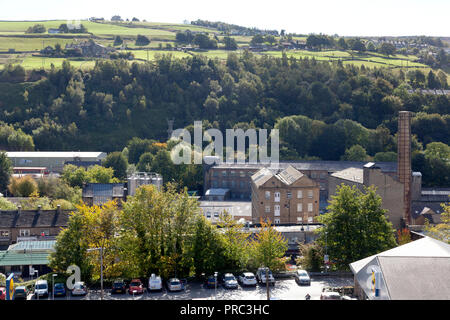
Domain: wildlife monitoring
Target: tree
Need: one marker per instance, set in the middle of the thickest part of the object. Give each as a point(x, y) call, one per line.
point(71, 248)
point(371, 47)
point(5, 170)
point(23, 187)
point(236, 245)
point(342, 44)
point(74, 176)
point(118, 162)
point(204, 42)
point(230, 43)
point(269, 246)
point(99, 174)
point(257, 39)
point(440, 231)
point(357, 45)
point(142, 40)
point(403, 236)
point(385, 157)
point(355, 153)
point(355, 226)
point(311, 258)
point(387, 48)
point(37, 28)
point(438, 150)
point(118, 41)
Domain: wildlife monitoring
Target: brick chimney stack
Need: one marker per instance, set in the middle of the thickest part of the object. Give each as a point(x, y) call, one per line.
point(404, 161)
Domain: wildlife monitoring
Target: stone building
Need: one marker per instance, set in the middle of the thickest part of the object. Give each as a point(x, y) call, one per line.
point(284, 196)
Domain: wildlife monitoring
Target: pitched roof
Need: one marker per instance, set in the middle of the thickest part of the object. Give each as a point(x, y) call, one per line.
point(287, 176)
point(350, 174)
point(55, 154)
point(33, 218)
point(414, 270)
point(11, 258)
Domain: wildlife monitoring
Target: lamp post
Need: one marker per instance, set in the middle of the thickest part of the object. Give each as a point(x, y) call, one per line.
point(215, 285)
point(101, 268)
point(37, 276)
point(53, 285)
point(326, 251)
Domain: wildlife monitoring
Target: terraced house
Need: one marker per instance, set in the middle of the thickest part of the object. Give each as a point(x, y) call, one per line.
point(284, 196)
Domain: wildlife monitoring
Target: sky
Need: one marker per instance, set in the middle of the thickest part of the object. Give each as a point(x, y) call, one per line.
point(342, 17)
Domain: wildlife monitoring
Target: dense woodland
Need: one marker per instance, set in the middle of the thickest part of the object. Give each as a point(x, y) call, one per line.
point(323, 110)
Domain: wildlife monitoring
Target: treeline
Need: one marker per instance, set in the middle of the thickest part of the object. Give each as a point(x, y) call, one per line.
point(107, 106)
point(227, 28)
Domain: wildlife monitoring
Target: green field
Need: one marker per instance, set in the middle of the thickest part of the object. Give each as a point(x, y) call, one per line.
point(142, 54)
point(30, 63)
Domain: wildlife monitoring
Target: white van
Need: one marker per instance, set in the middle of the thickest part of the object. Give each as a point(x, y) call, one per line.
point(41, 289)
point(154, 283)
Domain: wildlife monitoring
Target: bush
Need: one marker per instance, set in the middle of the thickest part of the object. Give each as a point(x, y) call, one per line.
point(7, 205)
point(142, 40)
point(311, 258)
point(23, 187)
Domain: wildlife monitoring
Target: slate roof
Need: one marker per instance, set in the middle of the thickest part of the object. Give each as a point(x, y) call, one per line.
point(55, 154)
point(34, 219)
point(417, 207)
point(330, 166)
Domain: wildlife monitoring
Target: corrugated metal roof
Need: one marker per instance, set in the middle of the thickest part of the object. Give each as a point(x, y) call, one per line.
point(55, 154)
point(45, 245)
point(11, 258)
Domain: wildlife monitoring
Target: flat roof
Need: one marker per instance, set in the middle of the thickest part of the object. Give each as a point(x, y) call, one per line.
point(56, 154)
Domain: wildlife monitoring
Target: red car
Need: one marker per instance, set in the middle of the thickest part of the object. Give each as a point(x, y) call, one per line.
point(136, 286)
point(2, 293)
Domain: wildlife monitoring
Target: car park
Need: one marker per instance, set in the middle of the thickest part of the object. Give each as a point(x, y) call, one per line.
point(174, 284)
point(247, 279)
point(59, 290)
point(41, 289)
point(261, 276)
point(210, 282)
point(229, 281)
point(155, 283)
point(21, 293)
point(2, 293)
point(302, 277)
point(118, 286)
point(79, 289)
point(136, 286)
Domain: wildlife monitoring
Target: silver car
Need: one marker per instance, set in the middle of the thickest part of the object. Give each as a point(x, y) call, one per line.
point(229, 281)
point(302, 277)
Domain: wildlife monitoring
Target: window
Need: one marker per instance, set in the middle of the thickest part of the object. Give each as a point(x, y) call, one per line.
point(233, 183)
point(216, 214)
point(224, 184)
point(224, 173)
point(277, 210)
point(267, 195)
point(232, 173)
point(208, 214)
point(4, 233)
point(299, 194)
point(313, 175)
point(267, 210)
point(24, 232)
point(299, 207)
point(310, 219)
point(241, 184)
point(215, 173)
point(310, 193)
point(242, 174)
point(310, 207)
point(277, 196)
point(277, 221)
point(299, 219)
point(289, 195)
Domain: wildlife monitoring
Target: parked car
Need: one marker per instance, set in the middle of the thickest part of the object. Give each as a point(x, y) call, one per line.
point(155, 283)
point(247, 279)
point(174, 284)
point(136, 286)
point(261, 276)
point(330, 295)
point(79, 289)
point(2, 293)
point(21, 293)
point(59, 290)
point(41, 289)
point(229, 281)
point(210, 282)
point(118, 286)
point(302, 277)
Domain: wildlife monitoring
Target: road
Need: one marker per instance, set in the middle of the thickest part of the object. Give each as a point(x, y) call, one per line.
point(286, 289)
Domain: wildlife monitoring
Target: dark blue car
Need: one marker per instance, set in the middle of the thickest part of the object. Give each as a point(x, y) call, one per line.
point(59, 290)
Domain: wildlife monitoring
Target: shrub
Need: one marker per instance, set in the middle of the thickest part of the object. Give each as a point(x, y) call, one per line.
point(23, 187)
point(311, 258)
point(7, 205)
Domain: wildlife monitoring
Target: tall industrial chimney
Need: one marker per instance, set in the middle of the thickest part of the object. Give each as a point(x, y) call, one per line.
point(404, 161)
